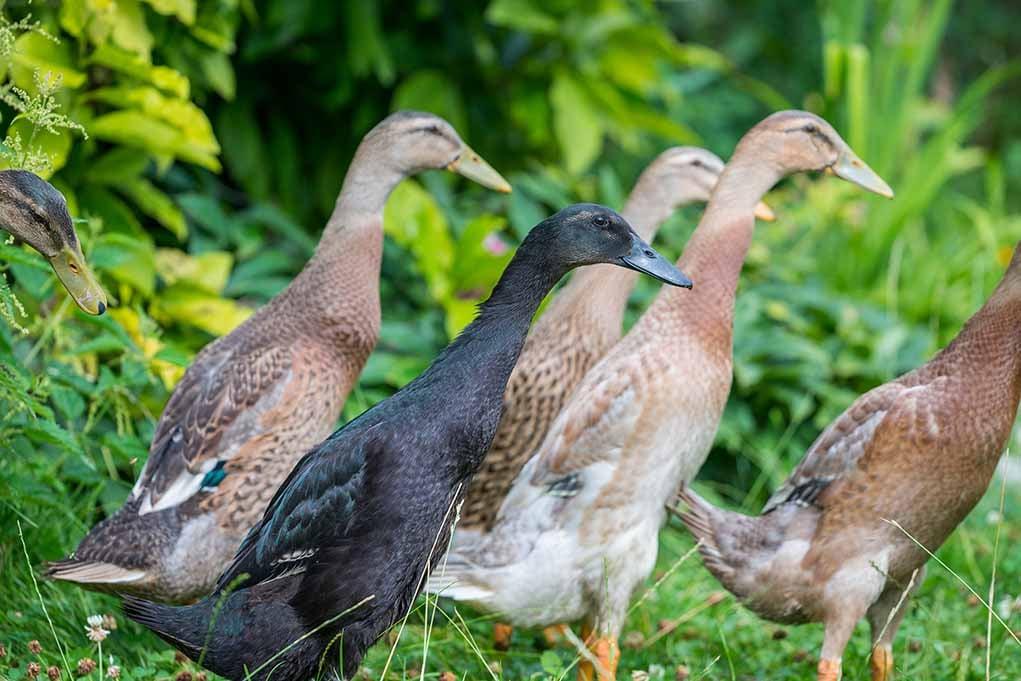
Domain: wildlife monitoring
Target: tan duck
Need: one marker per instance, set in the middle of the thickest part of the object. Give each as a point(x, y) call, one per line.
point(577, 534)
point(919, 451)
point(32, 210)
point(581, 323)
point(257, 399)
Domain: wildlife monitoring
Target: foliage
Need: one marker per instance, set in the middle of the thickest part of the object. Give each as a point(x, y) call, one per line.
point(214, 135)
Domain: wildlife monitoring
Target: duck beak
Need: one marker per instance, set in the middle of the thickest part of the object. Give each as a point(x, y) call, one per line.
point(645, 259)
point(70, 267)
point(851, 168)
point(470, 165)
point(764, 212)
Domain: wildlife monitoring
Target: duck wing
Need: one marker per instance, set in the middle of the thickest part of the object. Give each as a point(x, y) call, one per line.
point(594, 427)
point(218, 404)
point(309, 512)
point(896, 410)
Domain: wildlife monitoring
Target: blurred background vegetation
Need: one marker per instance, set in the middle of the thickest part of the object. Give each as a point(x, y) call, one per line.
point(215, 135)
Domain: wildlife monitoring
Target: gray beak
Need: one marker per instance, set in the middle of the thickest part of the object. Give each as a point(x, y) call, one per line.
point(645, 259)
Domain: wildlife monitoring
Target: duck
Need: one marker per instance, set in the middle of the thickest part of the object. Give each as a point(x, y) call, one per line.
point(254, 401)
point(577, 533)
point(580, 324)
point(34, 211)
point(841, 539)
point(346, 543)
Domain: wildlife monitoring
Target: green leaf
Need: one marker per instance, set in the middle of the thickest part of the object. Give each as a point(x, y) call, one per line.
point(137, 129)
point(182, 9)
point(578, 126)
point(156, 205)
point(219, 72)
point(432, 91)
point(413, 219)
point(35, 52)
point(43, 430)
point(191, 305)
point(23, 255)
point(118, 165)
point(523, 15)
point(131, 64)
point(208, 271)
point(130, 260)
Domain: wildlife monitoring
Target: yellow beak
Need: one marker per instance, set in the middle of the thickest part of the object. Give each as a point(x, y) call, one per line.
point(764, 212)
point(70, 267)
point(851, 168)
point(471, 165)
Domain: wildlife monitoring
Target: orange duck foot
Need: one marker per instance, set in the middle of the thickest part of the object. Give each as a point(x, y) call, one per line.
point(829, 670)
point(882, 664)
point(607, 654)
point(554, 634)
point(502, 636)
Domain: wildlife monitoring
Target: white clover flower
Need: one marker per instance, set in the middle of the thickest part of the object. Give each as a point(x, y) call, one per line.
point(94, 629)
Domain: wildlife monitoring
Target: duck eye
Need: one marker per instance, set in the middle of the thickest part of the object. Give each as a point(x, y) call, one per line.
point(696, 163)
point(811, 129)
point(601, 221)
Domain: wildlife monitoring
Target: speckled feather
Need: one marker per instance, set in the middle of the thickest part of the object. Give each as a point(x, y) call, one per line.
point(919, 451)
point(582, 322)
point(347, 540)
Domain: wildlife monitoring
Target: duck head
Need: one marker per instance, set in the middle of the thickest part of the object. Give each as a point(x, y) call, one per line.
point(794, 141)
point(682, 175)
point(589, 234)
point(34, 211)
point(414, 141)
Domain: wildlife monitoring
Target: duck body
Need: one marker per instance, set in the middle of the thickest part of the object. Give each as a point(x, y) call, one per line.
point(346, 543)
point(254, 401)
point(919, 451)
point(583, 517)
point(581, 324)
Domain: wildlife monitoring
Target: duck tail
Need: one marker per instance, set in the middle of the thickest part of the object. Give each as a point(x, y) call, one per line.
point(94, 574)
point(456, 578)
point(184, 627)
point(722, 539)
point(237, 636)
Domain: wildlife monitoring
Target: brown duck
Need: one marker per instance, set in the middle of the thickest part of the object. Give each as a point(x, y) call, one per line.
point(257, 399)
point(582, 322)
point(919, 451)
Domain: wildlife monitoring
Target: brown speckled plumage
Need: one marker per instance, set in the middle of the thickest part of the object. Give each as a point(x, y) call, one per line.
point(253, 402)
point(919, 450)
point(583, 321)
point(577, 534)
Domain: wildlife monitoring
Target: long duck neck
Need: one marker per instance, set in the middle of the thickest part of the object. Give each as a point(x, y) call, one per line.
point(715, 253)
point(990, 342)
point(488, 348)
point(336, 295)
point(600, 292)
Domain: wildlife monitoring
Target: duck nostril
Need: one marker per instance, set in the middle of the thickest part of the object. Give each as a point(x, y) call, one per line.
point(649, 253)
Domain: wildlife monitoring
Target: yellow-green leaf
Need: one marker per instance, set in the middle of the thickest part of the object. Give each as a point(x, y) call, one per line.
point(413, 219)
point(208, 271)
point(56, 146)
point(182, 9)
point(191, 305)
point(130, 260)
point(578, 126)
point(35, 52)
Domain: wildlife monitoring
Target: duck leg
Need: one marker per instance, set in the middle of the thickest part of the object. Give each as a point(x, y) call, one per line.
point(885, 617)
point(554, 634)
point(502, 636)
point(603, 646)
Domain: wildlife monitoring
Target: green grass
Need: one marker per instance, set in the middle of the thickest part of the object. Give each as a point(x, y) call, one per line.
point(685, 620)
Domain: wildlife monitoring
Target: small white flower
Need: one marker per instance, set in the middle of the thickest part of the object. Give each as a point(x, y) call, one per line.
point(94, 629)
point(113, 672)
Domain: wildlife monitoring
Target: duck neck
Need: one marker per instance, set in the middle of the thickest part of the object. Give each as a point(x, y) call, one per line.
point(715, 253)
point(601, 292)
point(341, 280)
point(990, 342)
point(488, 348)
